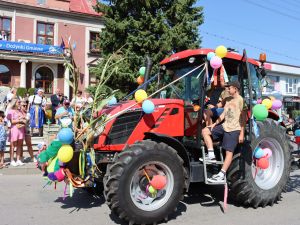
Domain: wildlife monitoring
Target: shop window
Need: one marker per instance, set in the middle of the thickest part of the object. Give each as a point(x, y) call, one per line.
point(5, 76)
point(290, 86)
point(271, 83)
point(44, 79)
point(5, 28)
point(94, 39)
point(45, 33)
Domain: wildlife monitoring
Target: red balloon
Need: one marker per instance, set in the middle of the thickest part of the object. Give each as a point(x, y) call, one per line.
point(263, 163)
point(158, 182)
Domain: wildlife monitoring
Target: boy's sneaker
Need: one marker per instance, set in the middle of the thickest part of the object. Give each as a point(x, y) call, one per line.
point(13, 163)
point(209, 159)
point(19, 163)
point(217, 178)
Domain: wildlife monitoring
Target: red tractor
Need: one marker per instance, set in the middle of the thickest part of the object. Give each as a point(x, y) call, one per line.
point(134, 147)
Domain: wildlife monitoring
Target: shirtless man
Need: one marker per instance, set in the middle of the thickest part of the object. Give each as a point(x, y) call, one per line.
point(232, 130)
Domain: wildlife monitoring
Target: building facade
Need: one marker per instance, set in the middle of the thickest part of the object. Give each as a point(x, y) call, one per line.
point(33, 34)
point(285, 80)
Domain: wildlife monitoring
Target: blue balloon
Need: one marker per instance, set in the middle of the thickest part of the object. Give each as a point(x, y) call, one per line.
point(112, 101)
point(148, 106)
point(210, 55)
point(65, 136)
point(254, 102)
point(297, 133)
point(258, 153)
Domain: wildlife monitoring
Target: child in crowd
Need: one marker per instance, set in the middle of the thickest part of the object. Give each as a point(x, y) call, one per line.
point(42, 146)
point(3, 137)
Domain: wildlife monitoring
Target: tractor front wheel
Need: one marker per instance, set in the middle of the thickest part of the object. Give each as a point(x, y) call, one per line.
point(127, 182)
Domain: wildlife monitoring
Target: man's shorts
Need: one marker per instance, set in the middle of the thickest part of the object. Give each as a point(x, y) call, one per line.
point(217, 112)
point(2, 146)
point(229, 139)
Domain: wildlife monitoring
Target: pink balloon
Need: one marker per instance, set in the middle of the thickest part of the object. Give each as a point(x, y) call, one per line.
point(215, 62)
point(267, 153)
point(259, 101)
point(276, 104)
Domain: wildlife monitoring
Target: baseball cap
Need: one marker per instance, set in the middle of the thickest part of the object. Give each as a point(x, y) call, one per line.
point(235, 84)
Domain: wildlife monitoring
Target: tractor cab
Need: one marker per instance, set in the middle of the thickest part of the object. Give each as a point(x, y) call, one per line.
point(197, 88)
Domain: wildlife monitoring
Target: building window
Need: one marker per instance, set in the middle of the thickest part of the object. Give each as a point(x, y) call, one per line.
point(290, 86)
point(44, 79)
point(94, 38)
point(5, 28)
point(45, 33)
point(41, 2)
point(5, 76)
point(272, 81)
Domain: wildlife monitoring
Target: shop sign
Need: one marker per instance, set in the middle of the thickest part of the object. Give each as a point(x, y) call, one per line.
point(29, 47)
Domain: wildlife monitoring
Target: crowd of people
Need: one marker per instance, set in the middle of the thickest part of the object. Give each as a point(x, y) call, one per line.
point(22, 116)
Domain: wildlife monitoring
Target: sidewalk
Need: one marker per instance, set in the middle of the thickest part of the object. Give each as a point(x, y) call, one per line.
point(27, 169)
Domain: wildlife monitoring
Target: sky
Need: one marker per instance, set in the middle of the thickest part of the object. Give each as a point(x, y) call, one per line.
point(269, 26)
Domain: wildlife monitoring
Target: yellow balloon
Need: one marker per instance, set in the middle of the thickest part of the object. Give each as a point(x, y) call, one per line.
point(267, 103)
point(65, 153)
point(140, 95)
point(272, 98)
point(221, 51)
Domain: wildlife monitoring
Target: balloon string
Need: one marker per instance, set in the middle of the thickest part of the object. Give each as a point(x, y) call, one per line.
point(146, 175)
point(65, 191)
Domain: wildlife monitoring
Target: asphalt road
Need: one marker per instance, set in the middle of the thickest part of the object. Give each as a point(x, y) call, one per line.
point(24, 201)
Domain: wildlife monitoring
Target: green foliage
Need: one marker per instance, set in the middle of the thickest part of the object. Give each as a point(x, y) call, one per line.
point(30, 91)
point(295, 113)
point(21, 92)
point(155, 28)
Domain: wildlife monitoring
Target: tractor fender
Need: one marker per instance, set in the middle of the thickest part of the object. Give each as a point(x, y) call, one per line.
point(174, 143)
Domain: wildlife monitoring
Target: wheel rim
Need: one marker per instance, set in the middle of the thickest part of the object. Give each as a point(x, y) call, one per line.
point(138, 187)
point(268, 178)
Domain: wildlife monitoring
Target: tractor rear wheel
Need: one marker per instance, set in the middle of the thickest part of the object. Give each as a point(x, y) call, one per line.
point(256, 187)
point(126, 183)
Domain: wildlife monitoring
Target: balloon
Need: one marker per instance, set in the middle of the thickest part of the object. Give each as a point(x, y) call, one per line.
point(158, 182)
point(52, 176)
point(221, 51)
point(65, 136)
point(65, 153)
point(142, 71)
point(112, 101)
point(297, 133)
point(260, 112)
point(60, 175)
point(267, 102)
point(272, 98)
point(140, 80)
point(148, 106)
point(140, 95)
point(267, 153)
point(276, 104)
point(216, 62)
point(254, 102)
point(151, 190)
point(210, 55)
point(259, 101)
point(258, 153)
point(262, 163)
point(53, 165)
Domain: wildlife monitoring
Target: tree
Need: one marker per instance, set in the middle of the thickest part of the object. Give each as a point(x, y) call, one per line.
point(146, 27)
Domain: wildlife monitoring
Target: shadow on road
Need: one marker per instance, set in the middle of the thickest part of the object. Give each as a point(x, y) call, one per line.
point(81, 199)
point(294, 184)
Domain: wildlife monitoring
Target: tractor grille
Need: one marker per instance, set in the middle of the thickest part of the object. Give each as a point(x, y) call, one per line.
point(123, 127)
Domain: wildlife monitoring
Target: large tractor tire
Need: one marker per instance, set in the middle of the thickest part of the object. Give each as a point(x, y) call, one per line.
point(126, 183)
point(256, 187)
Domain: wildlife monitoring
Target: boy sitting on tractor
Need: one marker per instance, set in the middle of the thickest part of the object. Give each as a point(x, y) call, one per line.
point(231, 131)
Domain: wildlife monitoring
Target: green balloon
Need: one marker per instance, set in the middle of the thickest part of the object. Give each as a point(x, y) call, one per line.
point(142, 71)
point(260, 112)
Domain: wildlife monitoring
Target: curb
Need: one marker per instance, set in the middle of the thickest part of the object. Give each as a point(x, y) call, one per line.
point(27, 169)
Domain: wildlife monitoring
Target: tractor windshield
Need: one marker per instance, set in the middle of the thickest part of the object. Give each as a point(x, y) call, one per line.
point(187, 88)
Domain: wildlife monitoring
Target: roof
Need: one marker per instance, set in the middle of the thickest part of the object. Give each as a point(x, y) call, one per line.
point(203, 51)
point(83, 6)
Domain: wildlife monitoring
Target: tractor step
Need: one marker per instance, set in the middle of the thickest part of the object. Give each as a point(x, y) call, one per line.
point(207, 163)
